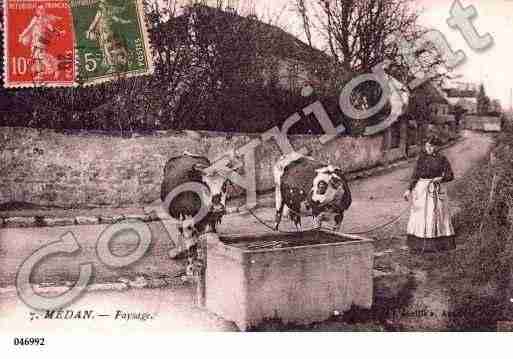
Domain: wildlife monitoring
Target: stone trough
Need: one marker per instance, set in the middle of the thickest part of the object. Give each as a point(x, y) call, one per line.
point(298, 278)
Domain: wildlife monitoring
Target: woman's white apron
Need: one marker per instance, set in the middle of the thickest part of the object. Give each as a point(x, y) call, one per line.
point(430, 215)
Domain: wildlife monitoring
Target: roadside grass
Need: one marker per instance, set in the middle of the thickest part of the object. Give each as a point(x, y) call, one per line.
point(476, 277)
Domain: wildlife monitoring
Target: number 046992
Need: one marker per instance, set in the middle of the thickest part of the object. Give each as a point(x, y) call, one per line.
point(20, 341)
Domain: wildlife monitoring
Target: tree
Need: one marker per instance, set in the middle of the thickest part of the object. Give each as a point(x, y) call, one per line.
point(355, 31)
point(210, 57)
point(483, 101)
point(496, 107)
point(360, 34)
point(227, 58)
point(303, 12)
point(357, 34)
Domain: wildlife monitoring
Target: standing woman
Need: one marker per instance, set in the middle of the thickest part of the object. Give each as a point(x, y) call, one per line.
point(430, 226)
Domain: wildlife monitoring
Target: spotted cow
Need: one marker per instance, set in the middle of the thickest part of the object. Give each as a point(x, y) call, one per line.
point(304, 185)
point(184, 206)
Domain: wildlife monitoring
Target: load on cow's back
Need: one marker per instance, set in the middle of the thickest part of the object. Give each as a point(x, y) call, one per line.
point(190, 186)
point(306, 185)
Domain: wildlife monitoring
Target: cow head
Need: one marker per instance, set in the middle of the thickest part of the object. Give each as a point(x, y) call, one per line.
point(217, 183)
point(327, 185)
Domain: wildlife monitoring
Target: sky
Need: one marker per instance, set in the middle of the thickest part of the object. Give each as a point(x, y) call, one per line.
point(493, 67)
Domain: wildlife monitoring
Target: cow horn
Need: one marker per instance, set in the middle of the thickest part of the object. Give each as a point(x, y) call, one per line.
point(200, 167)
point(327, 170)
point(235, 161)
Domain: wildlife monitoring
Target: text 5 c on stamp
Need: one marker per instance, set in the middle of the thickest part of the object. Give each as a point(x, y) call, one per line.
point(112, 40)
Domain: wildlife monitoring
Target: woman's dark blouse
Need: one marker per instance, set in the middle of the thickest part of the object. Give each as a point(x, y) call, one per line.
point(431, 166)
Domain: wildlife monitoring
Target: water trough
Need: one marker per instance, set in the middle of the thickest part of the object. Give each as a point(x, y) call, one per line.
point(298, 278)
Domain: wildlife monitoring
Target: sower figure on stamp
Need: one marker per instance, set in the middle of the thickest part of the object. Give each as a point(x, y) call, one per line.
point(102, 30)
point(430, 225)
point(38, 35)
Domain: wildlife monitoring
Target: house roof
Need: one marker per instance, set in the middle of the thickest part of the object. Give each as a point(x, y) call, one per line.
point(270, 38)
point(432, 93)
point(456, 100)
point(461, 93)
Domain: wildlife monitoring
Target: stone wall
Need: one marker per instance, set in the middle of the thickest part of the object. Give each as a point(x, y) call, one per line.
point(83, 169)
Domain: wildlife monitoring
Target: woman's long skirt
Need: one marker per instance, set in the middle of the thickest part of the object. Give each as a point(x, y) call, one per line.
point(430, 225)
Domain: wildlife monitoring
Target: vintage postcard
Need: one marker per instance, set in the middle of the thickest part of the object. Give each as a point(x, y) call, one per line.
point(312, 166)
point(39, 44)
point(112, 39)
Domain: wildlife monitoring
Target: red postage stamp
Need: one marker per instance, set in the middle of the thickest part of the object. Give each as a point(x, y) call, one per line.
point(39, 43)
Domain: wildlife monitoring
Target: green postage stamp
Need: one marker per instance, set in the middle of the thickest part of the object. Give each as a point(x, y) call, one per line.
point(112, 40)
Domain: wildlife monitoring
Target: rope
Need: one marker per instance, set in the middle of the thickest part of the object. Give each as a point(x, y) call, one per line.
point(393, 221)
point(389, 223)
point(269, 227)
point(433, 190)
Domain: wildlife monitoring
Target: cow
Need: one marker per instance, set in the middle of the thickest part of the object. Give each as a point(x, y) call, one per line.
point(185, 205)
point(304, 185)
